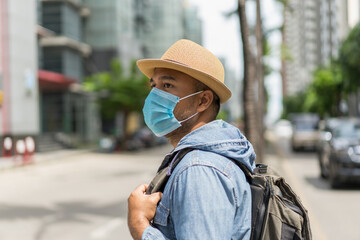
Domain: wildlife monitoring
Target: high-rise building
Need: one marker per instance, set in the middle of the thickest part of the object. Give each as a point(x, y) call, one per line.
point(132, 29)
point(163, 26)
point(301, 37)
point(110, 30)
point(64, 107)
point(192, 23)
point(19, 110)
point(313, 32)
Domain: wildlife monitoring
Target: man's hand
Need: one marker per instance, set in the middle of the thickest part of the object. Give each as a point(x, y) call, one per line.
point(141, 210)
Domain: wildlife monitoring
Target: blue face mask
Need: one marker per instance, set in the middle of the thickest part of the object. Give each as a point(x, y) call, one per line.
point(159, 112)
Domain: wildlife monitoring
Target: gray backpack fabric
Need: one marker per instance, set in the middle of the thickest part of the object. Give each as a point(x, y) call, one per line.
point(277, 212)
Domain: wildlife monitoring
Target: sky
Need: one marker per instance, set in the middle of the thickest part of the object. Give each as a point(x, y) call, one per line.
point(221, 35)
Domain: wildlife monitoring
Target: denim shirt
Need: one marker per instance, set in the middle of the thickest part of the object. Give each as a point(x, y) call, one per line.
point(207, 195)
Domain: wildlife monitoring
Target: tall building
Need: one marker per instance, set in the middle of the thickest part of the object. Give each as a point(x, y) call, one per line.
point(132, 29)
point(163, 26)
point(67, 114)
point(19, 110)
point(301, 37)
point(314, 30)
point(110, 30)
point(192, 23)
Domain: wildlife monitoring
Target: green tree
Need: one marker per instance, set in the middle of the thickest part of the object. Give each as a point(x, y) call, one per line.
point(118, 91)
point(349, 58)
point(293, 104)
point(324, 94)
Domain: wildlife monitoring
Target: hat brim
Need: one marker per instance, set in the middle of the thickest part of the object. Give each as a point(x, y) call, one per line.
point(147, 67)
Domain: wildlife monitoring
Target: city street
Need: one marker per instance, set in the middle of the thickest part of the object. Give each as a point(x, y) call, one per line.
point(80, 197)
point(84, 196)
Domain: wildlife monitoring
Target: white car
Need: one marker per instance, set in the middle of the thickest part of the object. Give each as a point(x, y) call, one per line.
point(283, 129)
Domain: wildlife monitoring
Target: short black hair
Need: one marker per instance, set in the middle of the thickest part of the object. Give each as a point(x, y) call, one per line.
point(199, 86)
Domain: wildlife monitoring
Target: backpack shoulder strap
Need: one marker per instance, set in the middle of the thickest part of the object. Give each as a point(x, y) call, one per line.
point(248, 174)
point(167, 166)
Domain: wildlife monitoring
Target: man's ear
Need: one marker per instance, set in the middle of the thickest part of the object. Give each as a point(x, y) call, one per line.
point(206, 98)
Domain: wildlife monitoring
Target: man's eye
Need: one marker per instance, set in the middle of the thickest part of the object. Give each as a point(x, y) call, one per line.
point(167, 85)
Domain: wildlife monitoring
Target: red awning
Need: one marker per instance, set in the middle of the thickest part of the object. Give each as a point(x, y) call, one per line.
point(54, 81)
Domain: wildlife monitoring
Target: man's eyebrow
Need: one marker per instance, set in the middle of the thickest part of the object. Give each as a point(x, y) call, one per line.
point(164, 77)
point(167, 77)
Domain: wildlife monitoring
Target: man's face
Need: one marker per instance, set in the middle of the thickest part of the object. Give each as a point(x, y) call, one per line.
point(178, 84)
point(172, 81)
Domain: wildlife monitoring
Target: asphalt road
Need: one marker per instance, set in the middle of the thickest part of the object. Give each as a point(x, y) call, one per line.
point(85, 196)
point(75, 198)
point(334, 214)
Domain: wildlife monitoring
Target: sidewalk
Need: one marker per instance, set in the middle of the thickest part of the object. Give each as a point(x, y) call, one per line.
point(18, 161)
point(271, 157)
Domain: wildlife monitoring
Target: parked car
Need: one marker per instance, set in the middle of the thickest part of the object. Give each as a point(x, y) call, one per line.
point(339, 151)
point(305, 131)
point(144, 138)
point(283, 129)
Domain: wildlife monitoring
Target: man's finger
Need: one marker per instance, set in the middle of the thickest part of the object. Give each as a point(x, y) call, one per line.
point(156, 197)
point(141, 188)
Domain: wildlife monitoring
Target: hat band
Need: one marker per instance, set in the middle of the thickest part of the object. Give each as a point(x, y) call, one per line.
point(170, 60)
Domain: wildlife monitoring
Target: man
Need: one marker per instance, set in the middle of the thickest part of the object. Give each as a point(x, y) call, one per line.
point(207, 195)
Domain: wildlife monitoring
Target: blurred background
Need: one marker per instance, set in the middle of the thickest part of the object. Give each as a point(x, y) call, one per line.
point(67, 74)
point(70, 90)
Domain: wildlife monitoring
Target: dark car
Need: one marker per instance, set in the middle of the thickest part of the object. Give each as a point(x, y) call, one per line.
point(143, 138)
point(339, 151)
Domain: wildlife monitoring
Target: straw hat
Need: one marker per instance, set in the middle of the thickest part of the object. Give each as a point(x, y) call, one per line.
point(194, 60)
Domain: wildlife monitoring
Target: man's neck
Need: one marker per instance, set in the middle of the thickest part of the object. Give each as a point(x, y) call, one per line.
point(175, 137)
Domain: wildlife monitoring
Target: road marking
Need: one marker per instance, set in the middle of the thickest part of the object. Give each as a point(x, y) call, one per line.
point(104, 230)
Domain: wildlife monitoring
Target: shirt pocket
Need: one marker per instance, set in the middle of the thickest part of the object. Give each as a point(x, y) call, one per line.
point(162, 215)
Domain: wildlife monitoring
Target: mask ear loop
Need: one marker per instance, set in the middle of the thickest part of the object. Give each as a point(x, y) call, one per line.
point(194, 113)
point(190, 95)
point(189, 117)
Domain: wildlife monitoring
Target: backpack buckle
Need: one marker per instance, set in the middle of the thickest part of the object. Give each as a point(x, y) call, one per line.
point(262, 168)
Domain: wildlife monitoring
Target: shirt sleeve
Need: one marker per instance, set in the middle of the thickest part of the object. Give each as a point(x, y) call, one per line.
point(152, 233)
point(203, 204)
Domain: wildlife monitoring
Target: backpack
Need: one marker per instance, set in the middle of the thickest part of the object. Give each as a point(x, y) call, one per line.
point(277, 212)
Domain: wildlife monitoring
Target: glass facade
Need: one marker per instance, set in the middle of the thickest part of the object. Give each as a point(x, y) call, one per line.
point(101, 27)
point(63, 60)
point(62, 110)
point(52, 60)
point(62, 18)
point(165, 26)
point(109, 21)
point(110, 30)
point(51, 16)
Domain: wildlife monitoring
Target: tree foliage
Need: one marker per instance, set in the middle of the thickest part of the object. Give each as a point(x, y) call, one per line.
point(349, 58)
point(293, 104)
point(118, 91)
point(331, 83)
point(324, 94)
